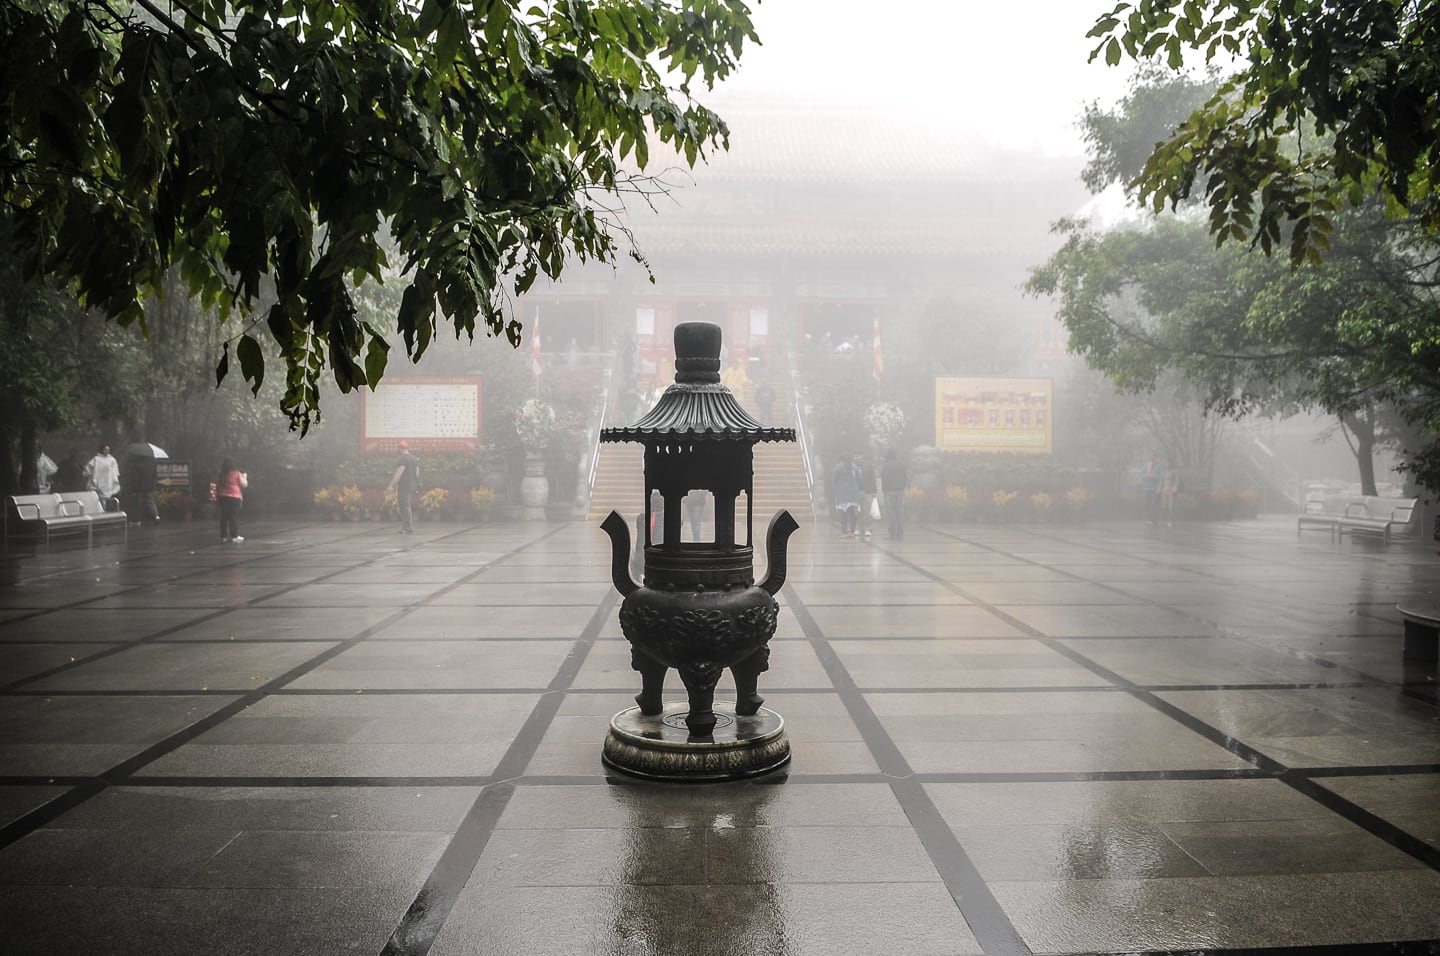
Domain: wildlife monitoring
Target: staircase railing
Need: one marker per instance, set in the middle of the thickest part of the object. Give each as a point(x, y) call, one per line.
point(1275, 471)
point(585, 488)
point(801, 433)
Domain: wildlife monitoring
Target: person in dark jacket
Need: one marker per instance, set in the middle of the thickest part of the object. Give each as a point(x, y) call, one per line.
point(892, 480)
point(404, 483)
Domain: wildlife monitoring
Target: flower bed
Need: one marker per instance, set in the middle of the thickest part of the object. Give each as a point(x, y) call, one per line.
point(352, 503)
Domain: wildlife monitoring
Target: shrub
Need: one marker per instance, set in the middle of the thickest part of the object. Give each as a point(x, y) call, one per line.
point(433, 502)
point(373, 502)
point(482, 499)
point(352, 502)
point(1005, 504)
point(956, 502)
point(326, 500)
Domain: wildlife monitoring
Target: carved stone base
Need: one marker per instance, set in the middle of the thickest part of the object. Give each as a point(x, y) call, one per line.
point(660, 747)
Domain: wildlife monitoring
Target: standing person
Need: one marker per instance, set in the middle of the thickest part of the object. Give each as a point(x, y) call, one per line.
point(102, 476)
point(764, 400)
point(867, 492)
point(1151, 480)
point(1169, 488)
point(404, 482)
point(734, 377)
point(45, 470)
point(230, 486)
point(845, 488)
point(892, 479)
point(138, 475)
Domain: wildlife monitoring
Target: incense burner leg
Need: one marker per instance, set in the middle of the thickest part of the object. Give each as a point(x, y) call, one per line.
point(652, 681)
point(747, 676)
point(701, 719)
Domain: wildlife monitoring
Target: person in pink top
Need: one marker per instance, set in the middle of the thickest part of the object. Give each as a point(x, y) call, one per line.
point(230, 486)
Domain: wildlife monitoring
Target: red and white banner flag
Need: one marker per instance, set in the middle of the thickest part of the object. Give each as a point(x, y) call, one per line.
point(877, 358)
point(535, 344)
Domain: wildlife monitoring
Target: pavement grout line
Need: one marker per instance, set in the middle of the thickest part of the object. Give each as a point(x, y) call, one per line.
point(29, 822)
point(1371, 822)
point(978, 906)
point(426, 916)
point(910, 791)
point(1221, 629)
point(797, 779)
point(129, 645)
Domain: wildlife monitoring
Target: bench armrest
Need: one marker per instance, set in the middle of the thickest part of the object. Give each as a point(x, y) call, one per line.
point(21, 507)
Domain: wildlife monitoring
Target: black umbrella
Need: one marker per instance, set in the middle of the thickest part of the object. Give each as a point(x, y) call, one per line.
point(143, 449)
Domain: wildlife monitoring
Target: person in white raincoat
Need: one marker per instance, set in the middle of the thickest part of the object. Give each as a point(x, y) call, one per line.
point(102, 475)
point(44, 472)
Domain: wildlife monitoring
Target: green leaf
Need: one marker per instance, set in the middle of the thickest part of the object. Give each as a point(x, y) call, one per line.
point(377, 354)
point(447, 39)
point(252, 362)
point(1112, 52)
point(222, 367)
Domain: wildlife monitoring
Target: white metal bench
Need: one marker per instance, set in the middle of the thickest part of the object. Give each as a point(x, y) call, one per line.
point(1325, 514)
point(59, 513)
point(1384, 517)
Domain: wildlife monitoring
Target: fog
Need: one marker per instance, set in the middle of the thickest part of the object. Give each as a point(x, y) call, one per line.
point(891, 179)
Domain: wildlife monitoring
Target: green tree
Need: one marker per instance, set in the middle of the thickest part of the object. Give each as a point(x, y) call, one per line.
point(1329, 103)
point(1348, 336)
point(1356, 334)
point(264, 147)
point(1120, 140)
point(62, 366)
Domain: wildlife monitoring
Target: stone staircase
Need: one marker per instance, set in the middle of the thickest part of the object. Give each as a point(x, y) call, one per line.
point(619, 481)
point(779, 483)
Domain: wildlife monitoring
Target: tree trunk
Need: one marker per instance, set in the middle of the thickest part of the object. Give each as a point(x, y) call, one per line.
point(8, 483)
point(1360, 435)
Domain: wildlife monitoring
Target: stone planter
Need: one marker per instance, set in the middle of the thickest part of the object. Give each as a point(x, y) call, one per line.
point(534, 487)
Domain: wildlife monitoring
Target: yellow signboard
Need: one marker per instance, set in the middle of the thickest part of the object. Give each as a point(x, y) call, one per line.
point(993, 415)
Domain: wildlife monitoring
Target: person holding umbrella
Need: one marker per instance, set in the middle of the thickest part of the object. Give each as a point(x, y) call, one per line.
point(139, 477)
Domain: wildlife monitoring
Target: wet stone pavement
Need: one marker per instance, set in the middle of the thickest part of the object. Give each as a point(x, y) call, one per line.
point(1083, 739)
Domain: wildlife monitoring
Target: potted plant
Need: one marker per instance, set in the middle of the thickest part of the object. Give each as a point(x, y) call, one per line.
point(1042, 505)
point(955, 503)
point(885, 423)
point(326, 504)
point(433, 503)
point(482, 500)
point(1005, 505)
point(352, 503)
point(373, 501)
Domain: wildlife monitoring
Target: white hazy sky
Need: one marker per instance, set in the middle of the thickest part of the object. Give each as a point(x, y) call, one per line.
point(1015, 72)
